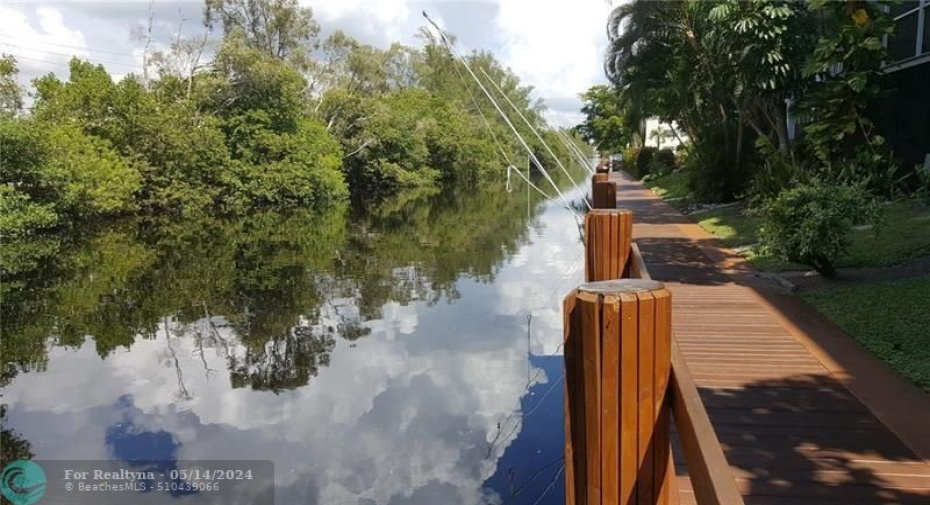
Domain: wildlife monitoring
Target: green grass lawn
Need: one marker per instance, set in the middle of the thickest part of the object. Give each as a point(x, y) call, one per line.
point(729, 224)
point(890, 319)
point(673, 187)
point(902, 234)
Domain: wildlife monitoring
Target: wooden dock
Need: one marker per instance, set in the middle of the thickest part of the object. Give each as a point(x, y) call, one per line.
point(804, 416)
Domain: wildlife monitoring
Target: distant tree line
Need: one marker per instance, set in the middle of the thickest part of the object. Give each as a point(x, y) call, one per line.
point(263, 114)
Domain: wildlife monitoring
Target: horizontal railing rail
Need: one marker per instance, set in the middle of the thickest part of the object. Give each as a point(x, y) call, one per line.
point(626, 379)
point(710, 474)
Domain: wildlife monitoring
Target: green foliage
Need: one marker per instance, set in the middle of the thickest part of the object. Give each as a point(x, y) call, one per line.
point(185, 165)
point(713, 174)
point(812, 223)
point(666, 158)
point(644, 157)
point(777, 171)
point(20, 216)
point(273, 120)
point(23, 154)
point(628, 163)
point(605, 125)
point(277, 28)
point(89, 177)
point(11, 95)
point(843, 69)
point(50, 173)
point(723, 71)
point(288, 169)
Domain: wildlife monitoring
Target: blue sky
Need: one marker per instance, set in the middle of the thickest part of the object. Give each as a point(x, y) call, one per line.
point(555, 46)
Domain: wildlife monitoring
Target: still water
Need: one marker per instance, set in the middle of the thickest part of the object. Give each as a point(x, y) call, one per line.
point(406, 353)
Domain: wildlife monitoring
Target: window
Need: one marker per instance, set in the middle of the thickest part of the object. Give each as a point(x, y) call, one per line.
point(912, 29)
point(903, 44)
point(902, 7)
point(926, 48)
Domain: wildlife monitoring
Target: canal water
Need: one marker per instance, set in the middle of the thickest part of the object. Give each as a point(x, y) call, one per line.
point(407, 353)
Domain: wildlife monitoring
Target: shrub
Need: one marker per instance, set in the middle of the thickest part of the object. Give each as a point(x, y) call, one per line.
point(777, 171)
point(923, 183)
point(714, 173)
point(811, 223)
point(657, 168)
point(628, 164)
point(643, 159)
point(20, 216)
point(666, 157)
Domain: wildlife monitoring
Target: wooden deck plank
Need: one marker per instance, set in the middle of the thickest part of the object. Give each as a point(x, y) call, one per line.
point(791, 430)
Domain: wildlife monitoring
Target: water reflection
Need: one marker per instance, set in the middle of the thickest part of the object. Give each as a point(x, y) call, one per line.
point(409, 353)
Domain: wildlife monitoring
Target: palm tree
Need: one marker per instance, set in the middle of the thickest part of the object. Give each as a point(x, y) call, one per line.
point(642, 37)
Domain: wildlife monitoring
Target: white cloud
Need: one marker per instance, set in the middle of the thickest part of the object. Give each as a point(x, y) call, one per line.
point(555, 47)
point(539, 276)
point(386, 420)
point(41, 41)
point(380, 22)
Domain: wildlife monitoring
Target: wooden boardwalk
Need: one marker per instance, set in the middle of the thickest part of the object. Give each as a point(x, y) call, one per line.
point(804, 416)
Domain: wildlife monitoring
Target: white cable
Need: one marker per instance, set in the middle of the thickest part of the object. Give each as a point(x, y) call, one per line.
point(504, 116)
point(532, 129)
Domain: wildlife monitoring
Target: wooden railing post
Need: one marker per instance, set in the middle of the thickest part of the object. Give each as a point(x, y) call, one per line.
point(596, 178)
point(617, 366)
point(604, 195)
point(603, 192)
point(608, 236)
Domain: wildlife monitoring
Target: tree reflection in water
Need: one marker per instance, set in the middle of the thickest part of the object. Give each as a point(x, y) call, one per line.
point(288, 286)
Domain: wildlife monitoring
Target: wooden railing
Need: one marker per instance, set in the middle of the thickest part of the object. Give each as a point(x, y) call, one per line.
point(625, 379)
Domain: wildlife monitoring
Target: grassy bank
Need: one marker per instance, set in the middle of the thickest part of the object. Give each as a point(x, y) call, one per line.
point(902, 234)
point(672, 187)
point(890, 319)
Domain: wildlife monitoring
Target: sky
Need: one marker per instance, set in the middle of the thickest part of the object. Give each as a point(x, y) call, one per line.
point(555, 46)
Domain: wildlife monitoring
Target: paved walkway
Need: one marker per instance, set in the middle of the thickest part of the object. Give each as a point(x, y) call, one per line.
point(804, 415)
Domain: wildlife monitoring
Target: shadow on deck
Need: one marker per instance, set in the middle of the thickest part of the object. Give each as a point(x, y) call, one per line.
point(804, 415)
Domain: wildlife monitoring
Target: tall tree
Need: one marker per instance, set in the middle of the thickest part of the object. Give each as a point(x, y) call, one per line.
point(604, 124)
point(279, 28)
point(11, 95)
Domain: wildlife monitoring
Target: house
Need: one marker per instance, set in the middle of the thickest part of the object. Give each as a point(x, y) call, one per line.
point(903, 113)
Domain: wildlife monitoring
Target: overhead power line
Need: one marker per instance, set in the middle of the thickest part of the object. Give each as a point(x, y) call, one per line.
point(105, 63)
point(43, 43)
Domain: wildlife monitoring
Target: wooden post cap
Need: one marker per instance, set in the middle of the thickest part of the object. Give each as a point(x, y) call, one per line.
point(622, 212)
point(617, 286)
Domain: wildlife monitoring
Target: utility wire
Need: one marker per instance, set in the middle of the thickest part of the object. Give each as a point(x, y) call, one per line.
point(43, 43)
point(572, 148)
point(501, 112)
point(532, 129)
point(106, 63)
point(510, 165)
